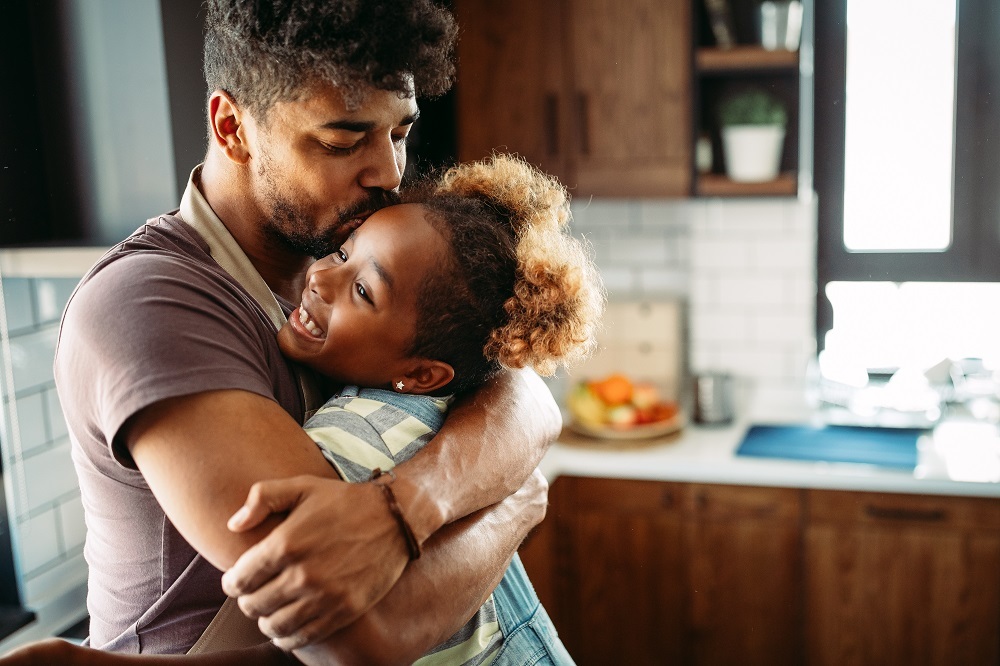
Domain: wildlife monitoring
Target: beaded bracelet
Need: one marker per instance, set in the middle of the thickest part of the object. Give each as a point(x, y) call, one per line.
point(412, 544)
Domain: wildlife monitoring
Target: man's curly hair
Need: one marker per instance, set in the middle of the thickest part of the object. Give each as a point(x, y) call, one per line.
point(517, 290)
point(266, 51)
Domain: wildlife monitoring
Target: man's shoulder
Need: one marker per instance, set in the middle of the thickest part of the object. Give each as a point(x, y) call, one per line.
point(162, 241)
point(164, 255)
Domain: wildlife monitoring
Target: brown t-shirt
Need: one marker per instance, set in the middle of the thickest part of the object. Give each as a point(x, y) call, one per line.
point(156, 318)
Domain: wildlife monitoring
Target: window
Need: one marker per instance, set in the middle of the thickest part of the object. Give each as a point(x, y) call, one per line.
point(908, 177)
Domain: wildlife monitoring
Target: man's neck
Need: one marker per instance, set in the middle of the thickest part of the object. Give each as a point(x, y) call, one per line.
point(282, 269)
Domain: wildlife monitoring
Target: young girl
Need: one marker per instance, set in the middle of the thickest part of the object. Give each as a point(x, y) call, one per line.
point(473, 273)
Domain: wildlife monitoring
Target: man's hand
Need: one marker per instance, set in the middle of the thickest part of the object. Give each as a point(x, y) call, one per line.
point(291, 581)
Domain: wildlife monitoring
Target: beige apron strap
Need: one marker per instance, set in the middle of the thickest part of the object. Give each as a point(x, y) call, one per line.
point(196, 212)
point(230, 629)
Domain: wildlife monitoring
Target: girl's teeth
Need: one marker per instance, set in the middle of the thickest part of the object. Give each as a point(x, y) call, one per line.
point(308, 323)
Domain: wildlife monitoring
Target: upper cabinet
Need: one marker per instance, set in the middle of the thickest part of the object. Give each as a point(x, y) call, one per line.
point(612, 96)
point(598, 92)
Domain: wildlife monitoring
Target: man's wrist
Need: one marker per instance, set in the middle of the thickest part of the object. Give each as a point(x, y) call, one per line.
point(423, 510)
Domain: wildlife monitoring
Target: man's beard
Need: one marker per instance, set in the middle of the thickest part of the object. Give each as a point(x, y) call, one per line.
point(291, 227)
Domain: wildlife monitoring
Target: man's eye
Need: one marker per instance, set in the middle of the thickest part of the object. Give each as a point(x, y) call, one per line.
point(340, 150)
point(399, 138)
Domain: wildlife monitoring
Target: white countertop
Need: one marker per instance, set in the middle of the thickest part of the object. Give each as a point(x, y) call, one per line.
point(959, 459)
point(49, 261)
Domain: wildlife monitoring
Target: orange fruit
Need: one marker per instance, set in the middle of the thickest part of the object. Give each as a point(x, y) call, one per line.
point(613, 390)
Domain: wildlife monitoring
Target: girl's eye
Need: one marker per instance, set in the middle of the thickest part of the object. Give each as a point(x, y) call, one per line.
point(339, 256)
point(362, 292)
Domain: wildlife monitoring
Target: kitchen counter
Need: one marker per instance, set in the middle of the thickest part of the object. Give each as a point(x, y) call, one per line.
point(958, 459)
point(49, 262)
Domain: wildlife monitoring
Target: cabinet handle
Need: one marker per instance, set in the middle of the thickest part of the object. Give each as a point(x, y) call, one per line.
point(552, 124)
point(583, 119)
point(894, 513)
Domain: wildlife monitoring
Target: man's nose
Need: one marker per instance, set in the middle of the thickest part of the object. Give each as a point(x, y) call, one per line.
point(385, 169)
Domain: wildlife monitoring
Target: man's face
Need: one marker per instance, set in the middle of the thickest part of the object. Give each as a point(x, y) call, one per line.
point(319, 168)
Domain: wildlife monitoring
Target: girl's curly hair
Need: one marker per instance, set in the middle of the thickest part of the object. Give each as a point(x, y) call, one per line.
point(266, 51)
point(518, 290)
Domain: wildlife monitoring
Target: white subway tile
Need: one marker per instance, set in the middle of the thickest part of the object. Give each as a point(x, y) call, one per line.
point(721, 254)
point(56, 420)
point(30, 422)
point(726, 326)
point(662, 281)
point(755, 363)
point(662, 213)
point(592, 213)
point(750, 292)
point(48, 583)
point(781, 254)
point(71, 523)
point(49, 475)
point(19, 308)
point(620, 282)
point(781, 326)
point(31, 357)
point(751, 217)
point(38, 541)
point(647, 250)
point(704, 291)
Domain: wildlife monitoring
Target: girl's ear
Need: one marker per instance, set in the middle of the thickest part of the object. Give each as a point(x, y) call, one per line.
point(426, 376)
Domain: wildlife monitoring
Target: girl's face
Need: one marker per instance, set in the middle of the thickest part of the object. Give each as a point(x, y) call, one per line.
point(358, 314)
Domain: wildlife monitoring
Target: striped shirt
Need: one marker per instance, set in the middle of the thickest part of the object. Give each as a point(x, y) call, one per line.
point(363, 429)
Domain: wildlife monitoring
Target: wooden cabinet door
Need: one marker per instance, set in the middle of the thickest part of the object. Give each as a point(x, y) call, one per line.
point(511, 81)
point(745, 564)
point(898, 579)
point(630, 104)
point(621, 584)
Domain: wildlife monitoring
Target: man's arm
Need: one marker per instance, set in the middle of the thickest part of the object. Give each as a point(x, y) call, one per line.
point(489, 445)
point(201, 454)
point(392, 632)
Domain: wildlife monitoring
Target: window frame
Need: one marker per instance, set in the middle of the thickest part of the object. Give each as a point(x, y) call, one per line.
point(974, 255)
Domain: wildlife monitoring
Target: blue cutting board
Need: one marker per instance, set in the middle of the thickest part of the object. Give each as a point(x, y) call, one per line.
point(886, 447)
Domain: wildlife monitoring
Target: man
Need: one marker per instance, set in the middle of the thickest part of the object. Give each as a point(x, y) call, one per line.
point(179, 401)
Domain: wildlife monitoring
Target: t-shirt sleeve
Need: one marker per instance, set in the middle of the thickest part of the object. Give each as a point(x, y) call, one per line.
point(148, 327)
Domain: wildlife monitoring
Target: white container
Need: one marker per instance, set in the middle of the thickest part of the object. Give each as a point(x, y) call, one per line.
point(752, 152)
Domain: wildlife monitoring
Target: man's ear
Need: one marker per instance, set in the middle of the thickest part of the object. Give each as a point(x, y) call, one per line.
point(226, 125)
point(426, 376)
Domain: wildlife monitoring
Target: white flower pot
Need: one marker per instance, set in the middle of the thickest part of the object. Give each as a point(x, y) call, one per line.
point(752, 152)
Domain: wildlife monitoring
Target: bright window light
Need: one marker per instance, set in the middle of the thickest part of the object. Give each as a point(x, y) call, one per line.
point(900, 103)
point(886, 325)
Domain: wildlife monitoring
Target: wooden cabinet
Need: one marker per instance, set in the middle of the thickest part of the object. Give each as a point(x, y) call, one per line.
point(898, 579)
point(597, 92)
point(743, 549)
point(644, 572)
point(621, 571)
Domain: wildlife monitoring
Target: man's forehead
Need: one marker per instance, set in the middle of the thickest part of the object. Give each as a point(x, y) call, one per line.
point(326, 107)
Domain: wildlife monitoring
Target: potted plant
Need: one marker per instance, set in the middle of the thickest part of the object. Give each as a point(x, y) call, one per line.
point(752, 125)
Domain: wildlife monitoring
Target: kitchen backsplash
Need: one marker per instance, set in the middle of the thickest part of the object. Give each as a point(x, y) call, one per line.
point(43, 497)
point(746, 269)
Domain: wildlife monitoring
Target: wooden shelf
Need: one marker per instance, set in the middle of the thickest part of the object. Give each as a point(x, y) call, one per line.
point(744, 58)
point(717, 185)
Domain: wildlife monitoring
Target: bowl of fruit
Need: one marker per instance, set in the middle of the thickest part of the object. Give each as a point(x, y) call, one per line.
point(616, 407)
